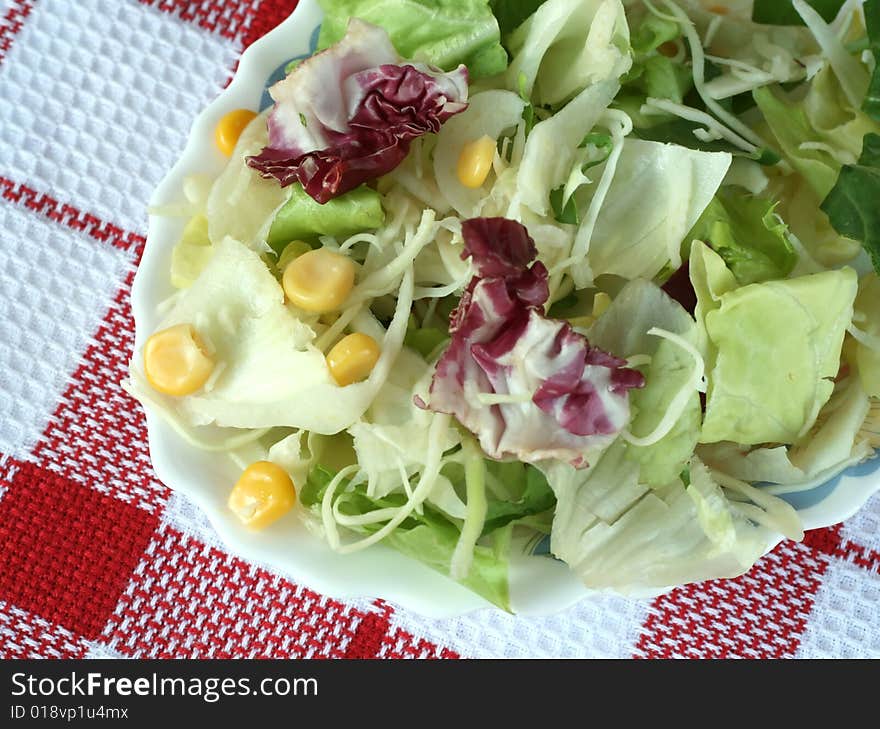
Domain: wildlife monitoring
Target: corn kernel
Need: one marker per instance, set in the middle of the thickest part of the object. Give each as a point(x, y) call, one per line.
point(263, 494)
point(475, 161)
point(175, 361)
point(230, 127)
point(319, 281)
point(353, 358)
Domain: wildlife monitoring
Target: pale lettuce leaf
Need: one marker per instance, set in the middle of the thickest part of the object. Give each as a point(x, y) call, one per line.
point(443, 33)
point(658, 194)
point(773, 349)
point(241, 204)
point(616, 534)
point(566, 46)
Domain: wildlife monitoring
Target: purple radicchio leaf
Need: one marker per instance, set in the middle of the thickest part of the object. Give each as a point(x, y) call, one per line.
point(349, 114)
point(560, 397)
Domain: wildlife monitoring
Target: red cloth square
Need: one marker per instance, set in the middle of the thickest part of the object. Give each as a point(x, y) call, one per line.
point(68, 551)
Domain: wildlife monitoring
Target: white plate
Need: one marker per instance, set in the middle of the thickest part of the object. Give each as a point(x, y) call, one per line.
point(538, 585)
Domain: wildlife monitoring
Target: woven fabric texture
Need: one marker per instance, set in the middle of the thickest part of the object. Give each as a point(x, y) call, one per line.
point(99, 558)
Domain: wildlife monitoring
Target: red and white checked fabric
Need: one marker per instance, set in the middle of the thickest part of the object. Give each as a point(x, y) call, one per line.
point(97, 557)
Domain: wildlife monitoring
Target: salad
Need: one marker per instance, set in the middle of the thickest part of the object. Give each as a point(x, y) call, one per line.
point(592, 278)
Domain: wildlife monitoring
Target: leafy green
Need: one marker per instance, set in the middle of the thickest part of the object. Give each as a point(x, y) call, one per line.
point(428, 536)
point(616, 533)
point(191, 253)
point(773, 349)
point(303, 217)
point(566, 46)
point(745, 231)
point(426, 340)
point(871, 105)
point(789, 123)
point(510, 14)
point(444, 33)
point(681, 132)
point(868, 358)
point(658, 193)
point(535, 496)
point(670, 369)
point(852, 205)
point(782, 12)
point(564, 212)
point(653, 33)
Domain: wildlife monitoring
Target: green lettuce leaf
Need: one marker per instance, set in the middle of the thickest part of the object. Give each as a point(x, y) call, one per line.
point(429, 536)
point(302, 217)
point(745, 231)
point(670, 370)
point(444, 33)
point(774, 349)
point(782, 12)
point(852, 205)
point(534, 495)
point(681, 132)
point(872, 21)
point(623, 330)
point(510, 14)
point(790, 126)
point(868, 320)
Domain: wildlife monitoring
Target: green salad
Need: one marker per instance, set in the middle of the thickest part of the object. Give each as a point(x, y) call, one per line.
point(595, 278)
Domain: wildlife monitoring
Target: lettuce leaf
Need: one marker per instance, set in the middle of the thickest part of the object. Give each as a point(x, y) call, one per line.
point(871, 105)
point(782, 12)
point(746, 232)
point(658, 194)
point(774, 349)
point(511, 13)
point(867, 318)
point(301, 217)
point(241, 204)
point(191, 253)
point(444, 33)
point(623, 329)
point(427, 536)
point(533, 495)
point(852, 206)
point(566, 46)
point(830, 447)
point(615, 533)
point(790, 126)
point(552, 147)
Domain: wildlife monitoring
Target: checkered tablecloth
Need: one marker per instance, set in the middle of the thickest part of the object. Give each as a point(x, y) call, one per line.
point(97, 557)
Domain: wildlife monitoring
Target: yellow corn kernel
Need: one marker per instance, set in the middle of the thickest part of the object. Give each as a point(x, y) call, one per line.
point(475, 161)
point(230, 127)
point(263, 494)
point(601, 302)
point(353, 358)
point(319, 281)
point(175, 361)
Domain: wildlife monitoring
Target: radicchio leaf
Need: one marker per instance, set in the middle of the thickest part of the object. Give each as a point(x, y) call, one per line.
point(348, 115)
point(561, 397)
